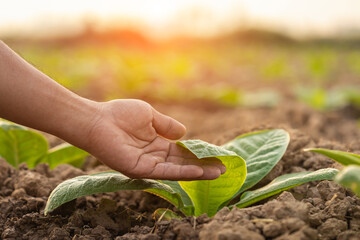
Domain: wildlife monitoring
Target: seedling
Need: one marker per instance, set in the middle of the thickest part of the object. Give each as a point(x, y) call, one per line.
point(349, 176)
point(248, 158)
point(21, 145)
point(322, 99)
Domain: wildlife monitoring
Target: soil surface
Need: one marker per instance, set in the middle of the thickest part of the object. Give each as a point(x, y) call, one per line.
point(316, 210)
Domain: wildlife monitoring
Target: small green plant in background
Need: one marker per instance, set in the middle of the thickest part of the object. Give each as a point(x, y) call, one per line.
point(21, 145)
point(320, 64)
point(321, 99)
point(276, 69)
point(248, 159)
point(234, 97)
point(353, 62)
point(352, 95)
point(349, 176)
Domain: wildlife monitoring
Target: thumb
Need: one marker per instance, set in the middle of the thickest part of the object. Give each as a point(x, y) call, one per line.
point(167, 126)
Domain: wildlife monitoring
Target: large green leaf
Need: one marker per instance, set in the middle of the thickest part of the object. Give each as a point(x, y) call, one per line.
point(6, 144)
point(177, 188)
point(341, 157)
point(65, 153)
point(107, 182)
point(350, 177)
point(208, 195)
point(261, 150)
point(188, 208)
point(18, 145)
point(283, 183)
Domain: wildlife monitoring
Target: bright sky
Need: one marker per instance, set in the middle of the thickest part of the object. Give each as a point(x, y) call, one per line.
point(169, 17)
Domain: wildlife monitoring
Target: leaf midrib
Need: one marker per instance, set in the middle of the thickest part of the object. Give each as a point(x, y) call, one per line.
point(207, 196)
point(259, 148)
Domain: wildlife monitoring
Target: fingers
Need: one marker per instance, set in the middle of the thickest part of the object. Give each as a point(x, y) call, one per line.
point(167, 126)
point(169, 171)
point(182, 165)
point(182, 156)
point(216, 163)
point(203, 163)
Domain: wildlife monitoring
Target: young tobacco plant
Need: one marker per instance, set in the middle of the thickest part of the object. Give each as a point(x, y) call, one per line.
point(21, 145)
point(349, 176)
point(248, 158)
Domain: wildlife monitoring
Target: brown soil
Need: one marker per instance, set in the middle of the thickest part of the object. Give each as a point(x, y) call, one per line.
point(316, 210)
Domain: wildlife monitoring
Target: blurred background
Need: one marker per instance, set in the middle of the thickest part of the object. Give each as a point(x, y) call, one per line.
point(229, 53)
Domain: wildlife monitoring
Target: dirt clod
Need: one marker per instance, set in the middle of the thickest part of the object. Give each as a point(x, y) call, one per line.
point(331, 228)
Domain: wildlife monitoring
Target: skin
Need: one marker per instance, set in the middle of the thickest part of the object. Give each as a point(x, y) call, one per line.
point(128, 135)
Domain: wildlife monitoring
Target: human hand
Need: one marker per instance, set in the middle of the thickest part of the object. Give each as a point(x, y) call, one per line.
point(129, 136)
point(124, 134)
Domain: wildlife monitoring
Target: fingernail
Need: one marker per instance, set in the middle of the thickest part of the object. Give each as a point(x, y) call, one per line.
point(222, 169)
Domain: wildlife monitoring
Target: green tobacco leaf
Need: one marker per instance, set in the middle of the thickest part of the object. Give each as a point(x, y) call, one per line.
point(177, 188)
point(165, 214)
point(65, 153)
point(208, 195)
point(188, 208)
point(283, 183)
point(261, 150)
point(5, 144)
point(107, 182)
point(349, 177)
point(341, 157)
point(185, 205)
point(18, 145)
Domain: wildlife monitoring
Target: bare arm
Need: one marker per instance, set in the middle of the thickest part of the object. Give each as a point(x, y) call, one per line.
point(127, 135)
point(30, 98)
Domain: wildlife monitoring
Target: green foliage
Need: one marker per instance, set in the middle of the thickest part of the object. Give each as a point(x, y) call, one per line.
point(176, 73)
point(320, 63)
point(21, 145)
point(228, 96)
point(352, 95)
point(317, 98)
point(353, 62)
point(190, 202)
point(341, 157)
point(65, 153)
point(277, 68)
point(263, 98)
point(111, 182)
point(349, 176)
point(107, 182)
point(261, 151)
point(321, 99)
point(283, 183)
point(207, 195)
point(165, 214)
point(188, 206)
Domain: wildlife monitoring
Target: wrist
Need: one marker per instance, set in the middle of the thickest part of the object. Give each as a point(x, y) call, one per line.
point(76, 120)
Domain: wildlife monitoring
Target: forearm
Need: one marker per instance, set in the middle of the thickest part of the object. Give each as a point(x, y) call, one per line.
point(31, 98)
